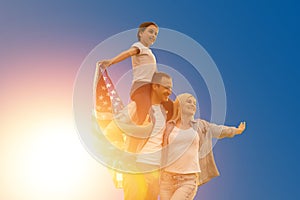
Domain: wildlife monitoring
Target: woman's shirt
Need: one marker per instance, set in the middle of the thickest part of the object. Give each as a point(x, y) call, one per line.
point(183, 151)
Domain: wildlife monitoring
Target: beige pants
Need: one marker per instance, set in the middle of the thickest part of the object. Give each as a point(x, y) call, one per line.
point(177, 186)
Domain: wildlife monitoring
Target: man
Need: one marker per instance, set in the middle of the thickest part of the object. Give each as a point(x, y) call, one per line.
point(144, 183)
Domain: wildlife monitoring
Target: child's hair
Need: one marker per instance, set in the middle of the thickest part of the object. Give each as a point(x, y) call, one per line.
point(143, 26)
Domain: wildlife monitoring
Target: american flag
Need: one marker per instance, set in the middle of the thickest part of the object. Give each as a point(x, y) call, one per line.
point(107, 106)
point(107, 102)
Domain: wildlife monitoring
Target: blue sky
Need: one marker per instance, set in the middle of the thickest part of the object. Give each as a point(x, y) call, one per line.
point(254, 44)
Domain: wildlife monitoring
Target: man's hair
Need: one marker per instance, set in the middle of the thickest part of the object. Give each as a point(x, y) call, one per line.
point(143, 26)
point(157, 77)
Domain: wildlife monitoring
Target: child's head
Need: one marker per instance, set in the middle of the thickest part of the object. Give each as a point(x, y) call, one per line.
point(147, 25)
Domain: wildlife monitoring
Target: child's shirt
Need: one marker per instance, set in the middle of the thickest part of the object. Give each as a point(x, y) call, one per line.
point(144, 64)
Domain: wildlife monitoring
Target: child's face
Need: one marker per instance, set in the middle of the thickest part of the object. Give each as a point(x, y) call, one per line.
point(148, 36)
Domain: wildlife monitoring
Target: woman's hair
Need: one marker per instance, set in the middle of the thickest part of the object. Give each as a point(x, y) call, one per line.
point(143, 26)
point(177, 106)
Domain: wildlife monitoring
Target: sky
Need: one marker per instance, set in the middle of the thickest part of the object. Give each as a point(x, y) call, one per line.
point(47, 47)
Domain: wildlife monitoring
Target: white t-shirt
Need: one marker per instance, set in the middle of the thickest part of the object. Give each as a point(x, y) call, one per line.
point(183, 151)
point(144, 63)
point(151, 152)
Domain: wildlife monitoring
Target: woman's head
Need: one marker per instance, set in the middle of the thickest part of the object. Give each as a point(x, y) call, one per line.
point(184, 104)
point(147, 33)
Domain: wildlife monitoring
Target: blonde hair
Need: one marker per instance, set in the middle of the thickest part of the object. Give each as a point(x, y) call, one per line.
point(179, 101)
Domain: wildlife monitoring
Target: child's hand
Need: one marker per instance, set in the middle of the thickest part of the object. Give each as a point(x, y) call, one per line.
point(104, 64)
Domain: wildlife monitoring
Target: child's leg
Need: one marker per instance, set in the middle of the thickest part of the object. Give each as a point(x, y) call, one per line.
point(143, 102)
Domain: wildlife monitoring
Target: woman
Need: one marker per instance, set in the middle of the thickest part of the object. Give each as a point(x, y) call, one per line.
point(187, 157)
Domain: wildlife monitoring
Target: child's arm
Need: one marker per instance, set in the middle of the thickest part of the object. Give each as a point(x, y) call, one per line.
point(122, 56)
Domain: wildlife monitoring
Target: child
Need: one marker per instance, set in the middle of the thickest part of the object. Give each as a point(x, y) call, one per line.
point(144, 66)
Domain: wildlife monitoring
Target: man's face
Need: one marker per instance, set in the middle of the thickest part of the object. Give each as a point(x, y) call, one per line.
point(164, 89)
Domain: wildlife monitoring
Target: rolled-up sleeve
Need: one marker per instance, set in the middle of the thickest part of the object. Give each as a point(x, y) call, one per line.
point(221, 131)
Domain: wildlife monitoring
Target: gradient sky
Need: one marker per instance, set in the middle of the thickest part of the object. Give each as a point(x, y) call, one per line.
point(255, 45)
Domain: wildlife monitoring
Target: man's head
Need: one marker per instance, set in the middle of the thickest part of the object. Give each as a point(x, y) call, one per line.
point(161, 87)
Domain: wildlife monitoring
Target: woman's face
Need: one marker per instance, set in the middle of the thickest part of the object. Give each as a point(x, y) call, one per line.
point(189, 106)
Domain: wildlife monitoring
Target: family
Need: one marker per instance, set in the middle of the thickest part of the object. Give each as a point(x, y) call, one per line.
point(176, 156)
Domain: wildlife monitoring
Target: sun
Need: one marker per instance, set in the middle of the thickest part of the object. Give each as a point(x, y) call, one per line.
point(53, 157)
point(47, 161)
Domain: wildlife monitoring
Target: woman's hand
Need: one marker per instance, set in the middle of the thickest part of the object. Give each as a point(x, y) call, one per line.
point(241, 128)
